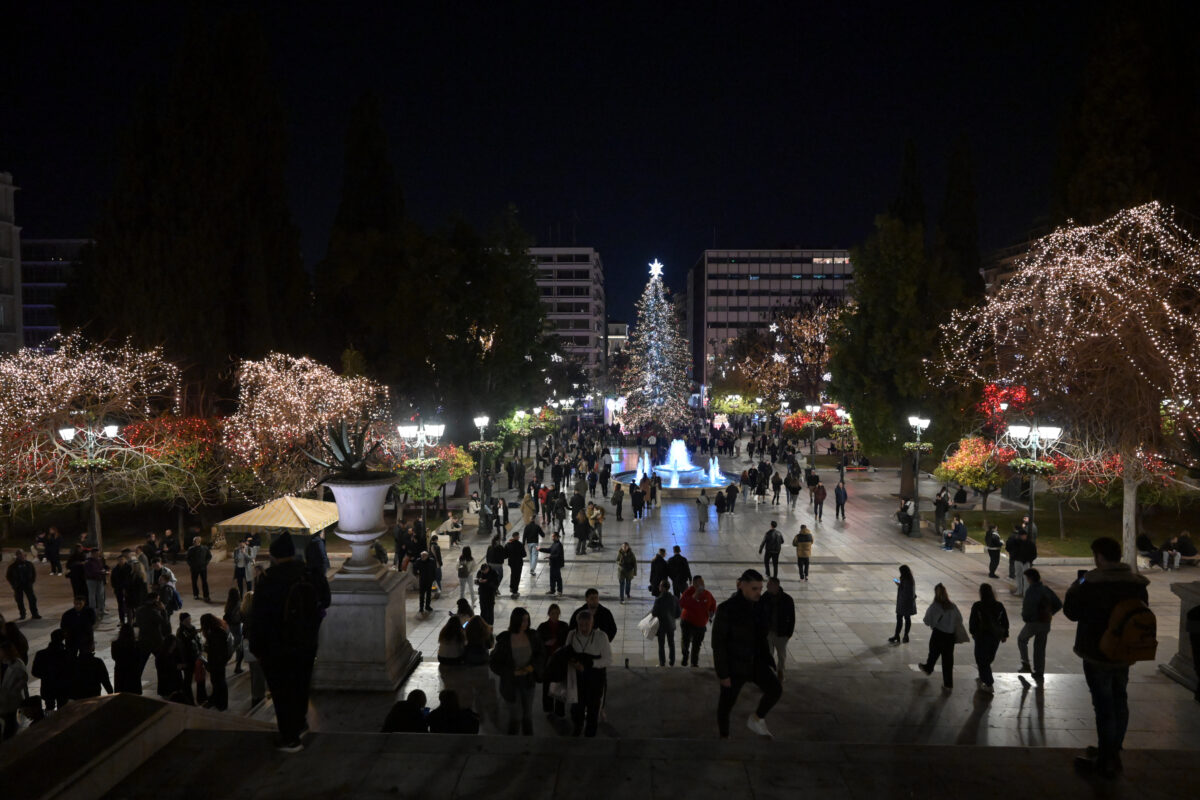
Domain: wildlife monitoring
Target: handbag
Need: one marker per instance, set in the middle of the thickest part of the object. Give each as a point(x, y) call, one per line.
point(960, 634)
point(649, 626)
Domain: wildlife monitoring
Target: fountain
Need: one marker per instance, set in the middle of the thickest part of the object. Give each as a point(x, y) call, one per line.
point(679, 469)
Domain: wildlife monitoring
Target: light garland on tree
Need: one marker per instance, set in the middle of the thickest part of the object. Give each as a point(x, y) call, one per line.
point(656, 386)
point(797, 358)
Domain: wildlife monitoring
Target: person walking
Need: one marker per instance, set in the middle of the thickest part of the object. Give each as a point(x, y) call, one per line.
point(637, 499)
point(531, 535)
point(553, 633)
point(742, 655)
point(21, 575)
point(54, 550)
point(218, 644)
point(819, 495)
point(803, 542)
point(589, 653)
point(666, 611)
point(988, 626)
point(944, 619)
point(1021, 554)
point(993, 543)
point(198, 557)
point(495, 556)
point(518, 660)
point(514, 552)
point(241, 566)
point(776, 485)
point(52, 666)
point(658, 572)
point(488, 583)
point(679, 571)
point(95, 573)
point(626, 570)
point(127, 661)
point(770, 547)
point(284, 636)
point(425, 571)
point(697, 607)
point(618, 500)
point(702, 504)
point(782, 615)
point(466, 573)
point(232, 616)
point(1091, 602)
point(1038, 607)
point(906, 603)
point(557, 558)
point(720, 504)
point(731, 496)
point(839, 500)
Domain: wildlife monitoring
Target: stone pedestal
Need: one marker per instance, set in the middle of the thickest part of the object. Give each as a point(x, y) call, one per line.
point(364, 642)
point(1181, 667)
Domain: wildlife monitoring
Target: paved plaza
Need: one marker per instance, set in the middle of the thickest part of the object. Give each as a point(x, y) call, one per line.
point(845, 682)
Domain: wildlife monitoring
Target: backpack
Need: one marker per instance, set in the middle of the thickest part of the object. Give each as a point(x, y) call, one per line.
point(301, 616)
point(1131, 633)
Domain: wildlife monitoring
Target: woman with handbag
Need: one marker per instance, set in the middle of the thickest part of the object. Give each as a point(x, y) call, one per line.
point(666, 611)
point(946, 621)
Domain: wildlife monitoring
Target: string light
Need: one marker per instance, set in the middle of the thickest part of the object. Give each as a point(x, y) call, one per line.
point(798, 358)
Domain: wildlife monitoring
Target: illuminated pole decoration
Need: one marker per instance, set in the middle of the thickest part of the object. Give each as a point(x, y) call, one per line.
point(1101, 324)
point(656, 385)
point(918, 424)
point(1031, 438)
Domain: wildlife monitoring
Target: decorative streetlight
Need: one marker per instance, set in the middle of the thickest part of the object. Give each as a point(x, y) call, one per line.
point(421, 436)
point(812, 431)
point(1033, 438)
point(918, 425)
point(843, 420)
point(90, 441)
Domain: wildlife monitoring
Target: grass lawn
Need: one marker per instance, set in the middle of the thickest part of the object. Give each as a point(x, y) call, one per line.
point(1079, 527)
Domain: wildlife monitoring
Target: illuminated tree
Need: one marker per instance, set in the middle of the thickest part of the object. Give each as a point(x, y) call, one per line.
point(1102, 325)
point(284, 403)
point(794, 357)
point(76, 384)
point(656, 385)
point(976, 463)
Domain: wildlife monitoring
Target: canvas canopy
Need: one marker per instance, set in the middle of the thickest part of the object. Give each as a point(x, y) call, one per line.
point(284, 513)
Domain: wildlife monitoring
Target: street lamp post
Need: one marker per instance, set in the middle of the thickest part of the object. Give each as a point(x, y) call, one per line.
point(481, 422)
point(90, 441)
point(918, 425)
point(1033, 438)
point(842, 416)
point(812, 431)
point(420, 436)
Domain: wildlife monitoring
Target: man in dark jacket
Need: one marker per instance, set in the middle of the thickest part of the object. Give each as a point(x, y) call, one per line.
point(1090, 602)
point(53, 667)
point(198, 557)
point(742, 654)
point(839, 500)
point(1021, 554)
point(21, 575)
point(514, 554)
point(772, 544)
point(679, 571)
point(531, 536)
point(77, 624)
point(557, 558)
point(120, 577)
point(819, 495)
point(315, 554)
point(488, 584)
point(425, 571)
point(602, 618)
point(286, 623)
point(781, 611)
point(658, 571)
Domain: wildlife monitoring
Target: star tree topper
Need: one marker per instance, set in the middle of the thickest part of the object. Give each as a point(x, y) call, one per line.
point(656, 269)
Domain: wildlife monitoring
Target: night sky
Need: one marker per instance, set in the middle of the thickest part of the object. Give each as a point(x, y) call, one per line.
point(649, 132)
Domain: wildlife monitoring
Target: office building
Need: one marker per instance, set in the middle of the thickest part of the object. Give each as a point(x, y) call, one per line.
point(45, 269)
point(729, 291)
point(571, 284)
point(10, 267)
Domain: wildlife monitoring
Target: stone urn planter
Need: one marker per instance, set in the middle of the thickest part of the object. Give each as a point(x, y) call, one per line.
point(360, 516)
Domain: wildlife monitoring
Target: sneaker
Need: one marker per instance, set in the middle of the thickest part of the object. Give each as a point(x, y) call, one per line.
point(294, 746)
point(1025, 667)
point(905, 639)
point(759, 726)
point(891, 639)
point(550, 593)
point(923, 668)
point(37, 616)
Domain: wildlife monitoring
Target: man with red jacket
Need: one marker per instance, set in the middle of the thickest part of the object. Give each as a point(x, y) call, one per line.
point(697, 607)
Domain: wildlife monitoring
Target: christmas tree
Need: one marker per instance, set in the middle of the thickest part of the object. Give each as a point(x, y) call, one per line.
point(656, 385)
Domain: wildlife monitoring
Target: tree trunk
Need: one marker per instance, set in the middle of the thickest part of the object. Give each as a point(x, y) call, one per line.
point(985, 497)
point(1129, 512)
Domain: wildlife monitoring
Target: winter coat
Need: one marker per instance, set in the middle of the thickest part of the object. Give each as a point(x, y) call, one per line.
point(501, 663)
point(943, 618)
point(666, 610)
point(772, 542)
point(906, 598)
point(1090, 602)
point(626, 565)
point(990, 621)
point(739, 638)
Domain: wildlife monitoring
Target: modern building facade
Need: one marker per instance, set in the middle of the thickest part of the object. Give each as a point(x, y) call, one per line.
point(729, 291)
point(618, 337)
point(571, 284)
point(10, 267)
point(45, 270)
